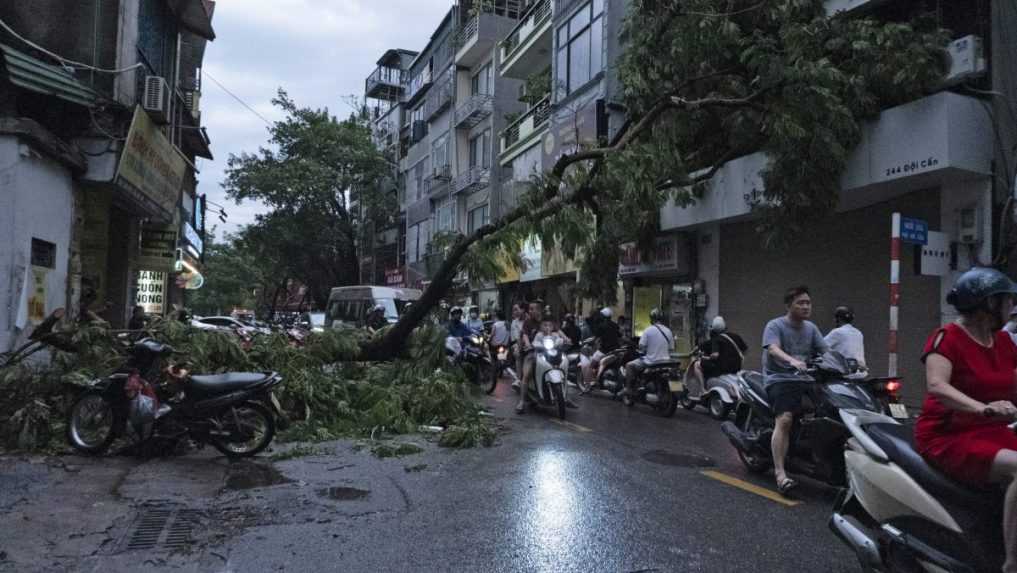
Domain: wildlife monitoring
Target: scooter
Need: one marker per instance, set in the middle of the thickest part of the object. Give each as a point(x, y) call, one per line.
point(612, 378)
point(818, 435)
point(504, 365)
point(469, 355)
point(579, 355)
point(659, 387)
point(900, 514)
point(719, 394)
point(550, 376)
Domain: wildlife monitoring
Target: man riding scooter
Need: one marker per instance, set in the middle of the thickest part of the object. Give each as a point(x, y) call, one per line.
point(655, 345)
point(609, 336)
point(723, 354)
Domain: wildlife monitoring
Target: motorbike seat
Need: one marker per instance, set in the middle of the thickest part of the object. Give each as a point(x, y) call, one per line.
point(663, 364)
point(898, 443)
point(755, 381)
point(219, 383)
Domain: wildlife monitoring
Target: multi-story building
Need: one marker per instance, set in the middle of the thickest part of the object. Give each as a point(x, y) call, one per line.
point(99, 131)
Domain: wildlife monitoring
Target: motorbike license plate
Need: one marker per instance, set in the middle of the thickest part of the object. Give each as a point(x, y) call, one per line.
point(677, 387)
point(899, 411)
point(275, 403)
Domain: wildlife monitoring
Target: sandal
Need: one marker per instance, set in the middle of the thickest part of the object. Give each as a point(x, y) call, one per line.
point(785, 486)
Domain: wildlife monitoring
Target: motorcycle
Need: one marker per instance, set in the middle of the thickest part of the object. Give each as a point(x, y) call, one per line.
point(818, 435)
point(612, 379)
point(504, 365)
point(468, 353)
point(658, 386)
point(227, 410)
point(577, 355)
point(719, 394)
point(900, 514)
point(550, 375)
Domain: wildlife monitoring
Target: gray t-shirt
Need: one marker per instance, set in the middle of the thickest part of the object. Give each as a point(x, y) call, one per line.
point(802, 342)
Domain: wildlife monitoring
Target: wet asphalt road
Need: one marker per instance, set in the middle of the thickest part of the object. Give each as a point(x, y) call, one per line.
point(613, 489)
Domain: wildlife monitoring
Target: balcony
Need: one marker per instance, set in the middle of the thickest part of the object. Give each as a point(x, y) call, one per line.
point(474, 111)
point(923, 144)
point(385, 83)
point(437, 184)
point(473, 179)
point(478, 34)
point(527, 48)
point(525, 131)
point(417, 85)
point(439, 98)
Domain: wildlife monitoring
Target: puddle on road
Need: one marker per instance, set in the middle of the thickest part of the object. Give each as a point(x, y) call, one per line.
point(250, 475)
point(666, 458)
point(340, 493)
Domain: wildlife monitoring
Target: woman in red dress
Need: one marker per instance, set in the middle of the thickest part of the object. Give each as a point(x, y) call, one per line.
point(971, 372)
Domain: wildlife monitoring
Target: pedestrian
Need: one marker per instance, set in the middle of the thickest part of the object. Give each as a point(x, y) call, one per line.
point(138, 319)
point(845, 338)
point(788, 342)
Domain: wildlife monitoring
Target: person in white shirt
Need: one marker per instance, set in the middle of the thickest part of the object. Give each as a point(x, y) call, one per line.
point(845, 338)
point(655, 344)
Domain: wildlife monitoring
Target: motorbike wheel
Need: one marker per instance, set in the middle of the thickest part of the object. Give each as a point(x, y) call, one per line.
point(613, 375)
point(718, 408)
point(756, 464)
point(687, 403)
point(251, 420)
point(559, 399)
point(490, 374)
point(667, 404)
point(582, 384)
point(91, 424)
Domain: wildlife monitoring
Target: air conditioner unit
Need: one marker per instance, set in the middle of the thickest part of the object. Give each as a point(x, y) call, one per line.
point(156, 98)
point(967, 60)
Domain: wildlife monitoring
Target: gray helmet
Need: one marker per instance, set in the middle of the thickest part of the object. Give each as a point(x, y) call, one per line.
point(656, 315)
point(978, 284)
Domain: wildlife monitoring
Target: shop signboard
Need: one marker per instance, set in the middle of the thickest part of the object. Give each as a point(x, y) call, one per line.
point(37, 295)
point(151, 292)
point(193, 239)
point(158, 247)
point(151, 166)
point(935, 255)
point(394, 277)
point(671, 255)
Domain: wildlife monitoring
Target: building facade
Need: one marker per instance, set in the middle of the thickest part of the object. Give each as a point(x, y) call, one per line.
point(97, 165)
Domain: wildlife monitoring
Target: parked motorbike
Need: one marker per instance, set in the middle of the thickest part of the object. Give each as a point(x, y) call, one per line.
point(659, 387)
point(550, 375)
point(818, 435)
point(469, 354)
point(227, 411)
point(719, 394)
point(900, 514)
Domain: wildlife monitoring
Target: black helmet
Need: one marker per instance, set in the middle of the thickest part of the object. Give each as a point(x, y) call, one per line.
point(978, 284)
point(844, 314)
point(656, 315)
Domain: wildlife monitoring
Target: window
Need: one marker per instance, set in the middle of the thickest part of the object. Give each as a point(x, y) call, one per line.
point(580, 47)
point(483, 82)
point(480, 150)
point(439, 154)
point(418, 179)
point(444, 213)
point(477, 218)
point(43, 254)
point(412, 243)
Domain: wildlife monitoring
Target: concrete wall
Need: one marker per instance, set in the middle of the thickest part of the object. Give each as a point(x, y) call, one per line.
point(844, 260)
point(36, 201)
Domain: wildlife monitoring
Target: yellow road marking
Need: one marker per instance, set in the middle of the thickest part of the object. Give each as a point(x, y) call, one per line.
point(749, 487)
point(571, 426)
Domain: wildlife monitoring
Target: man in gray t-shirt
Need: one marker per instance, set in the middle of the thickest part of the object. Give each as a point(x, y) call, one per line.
point(788, 342)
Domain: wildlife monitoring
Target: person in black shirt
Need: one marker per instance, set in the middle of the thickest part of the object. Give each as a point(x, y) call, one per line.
point(137, 321)
point(723, 353)
point(570, 330)
point(609, 335)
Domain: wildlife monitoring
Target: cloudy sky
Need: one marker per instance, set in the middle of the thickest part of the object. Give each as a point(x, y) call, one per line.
point(317, 50)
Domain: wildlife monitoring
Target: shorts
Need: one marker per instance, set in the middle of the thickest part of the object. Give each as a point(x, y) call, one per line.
point(786, 397)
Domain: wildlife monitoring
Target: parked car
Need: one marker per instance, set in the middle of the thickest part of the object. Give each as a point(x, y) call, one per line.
point(349, 306)
point(224, 323)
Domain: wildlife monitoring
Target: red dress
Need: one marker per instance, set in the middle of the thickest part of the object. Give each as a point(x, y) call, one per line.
point(964, 445)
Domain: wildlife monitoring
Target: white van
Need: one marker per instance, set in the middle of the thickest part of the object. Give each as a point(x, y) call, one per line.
point(349, 306)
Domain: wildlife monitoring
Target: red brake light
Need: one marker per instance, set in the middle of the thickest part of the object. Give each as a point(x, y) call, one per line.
point(893, 386)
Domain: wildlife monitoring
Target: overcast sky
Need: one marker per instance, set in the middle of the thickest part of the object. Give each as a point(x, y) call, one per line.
point(317, 50)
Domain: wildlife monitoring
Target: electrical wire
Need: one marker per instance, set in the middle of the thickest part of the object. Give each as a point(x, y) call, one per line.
point(234, 96)
point(64, 61)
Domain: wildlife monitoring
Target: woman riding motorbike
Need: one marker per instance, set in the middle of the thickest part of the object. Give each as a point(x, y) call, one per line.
point(971, 373)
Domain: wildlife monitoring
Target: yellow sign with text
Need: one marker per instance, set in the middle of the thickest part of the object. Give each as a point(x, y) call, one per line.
point(151, 164)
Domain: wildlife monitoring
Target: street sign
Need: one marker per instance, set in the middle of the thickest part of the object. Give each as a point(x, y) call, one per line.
point(935, 259)
point(914, 231)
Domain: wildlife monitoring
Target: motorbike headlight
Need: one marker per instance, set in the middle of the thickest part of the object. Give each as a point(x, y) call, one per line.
point(548, 344)
point(502, 353)
point(555, 377)
point(476, 340)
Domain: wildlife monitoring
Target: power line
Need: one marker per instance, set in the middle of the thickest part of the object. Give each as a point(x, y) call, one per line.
point(234, 96)
point(64, 61)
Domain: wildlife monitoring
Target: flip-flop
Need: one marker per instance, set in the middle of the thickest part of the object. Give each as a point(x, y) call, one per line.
point(786, 485)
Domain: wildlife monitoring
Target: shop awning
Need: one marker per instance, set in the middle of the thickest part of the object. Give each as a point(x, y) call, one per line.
point(35, 75)
point(193, 15)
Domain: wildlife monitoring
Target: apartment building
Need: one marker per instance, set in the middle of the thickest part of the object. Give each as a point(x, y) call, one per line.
point(100, 128)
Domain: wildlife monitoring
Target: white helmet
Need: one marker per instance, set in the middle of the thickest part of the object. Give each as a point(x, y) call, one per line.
point(605, 312)
point(718, 324)
point(456, 309)
point(378, 308)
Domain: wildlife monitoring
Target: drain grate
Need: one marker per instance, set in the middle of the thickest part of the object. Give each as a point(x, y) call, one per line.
point(163, 528)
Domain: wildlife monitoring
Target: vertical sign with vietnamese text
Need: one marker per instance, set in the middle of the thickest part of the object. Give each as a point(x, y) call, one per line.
point(37, 296)
point(151, 292)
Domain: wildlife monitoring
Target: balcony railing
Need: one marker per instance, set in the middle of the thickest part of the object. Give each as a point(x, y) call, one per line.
point(524, 127)
point(437, 183)
point(538, 14)
point(385, 83)
point(468, 31)
point(473, 179)
point(439, 98)
point(474, 110)
point(419, 82)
